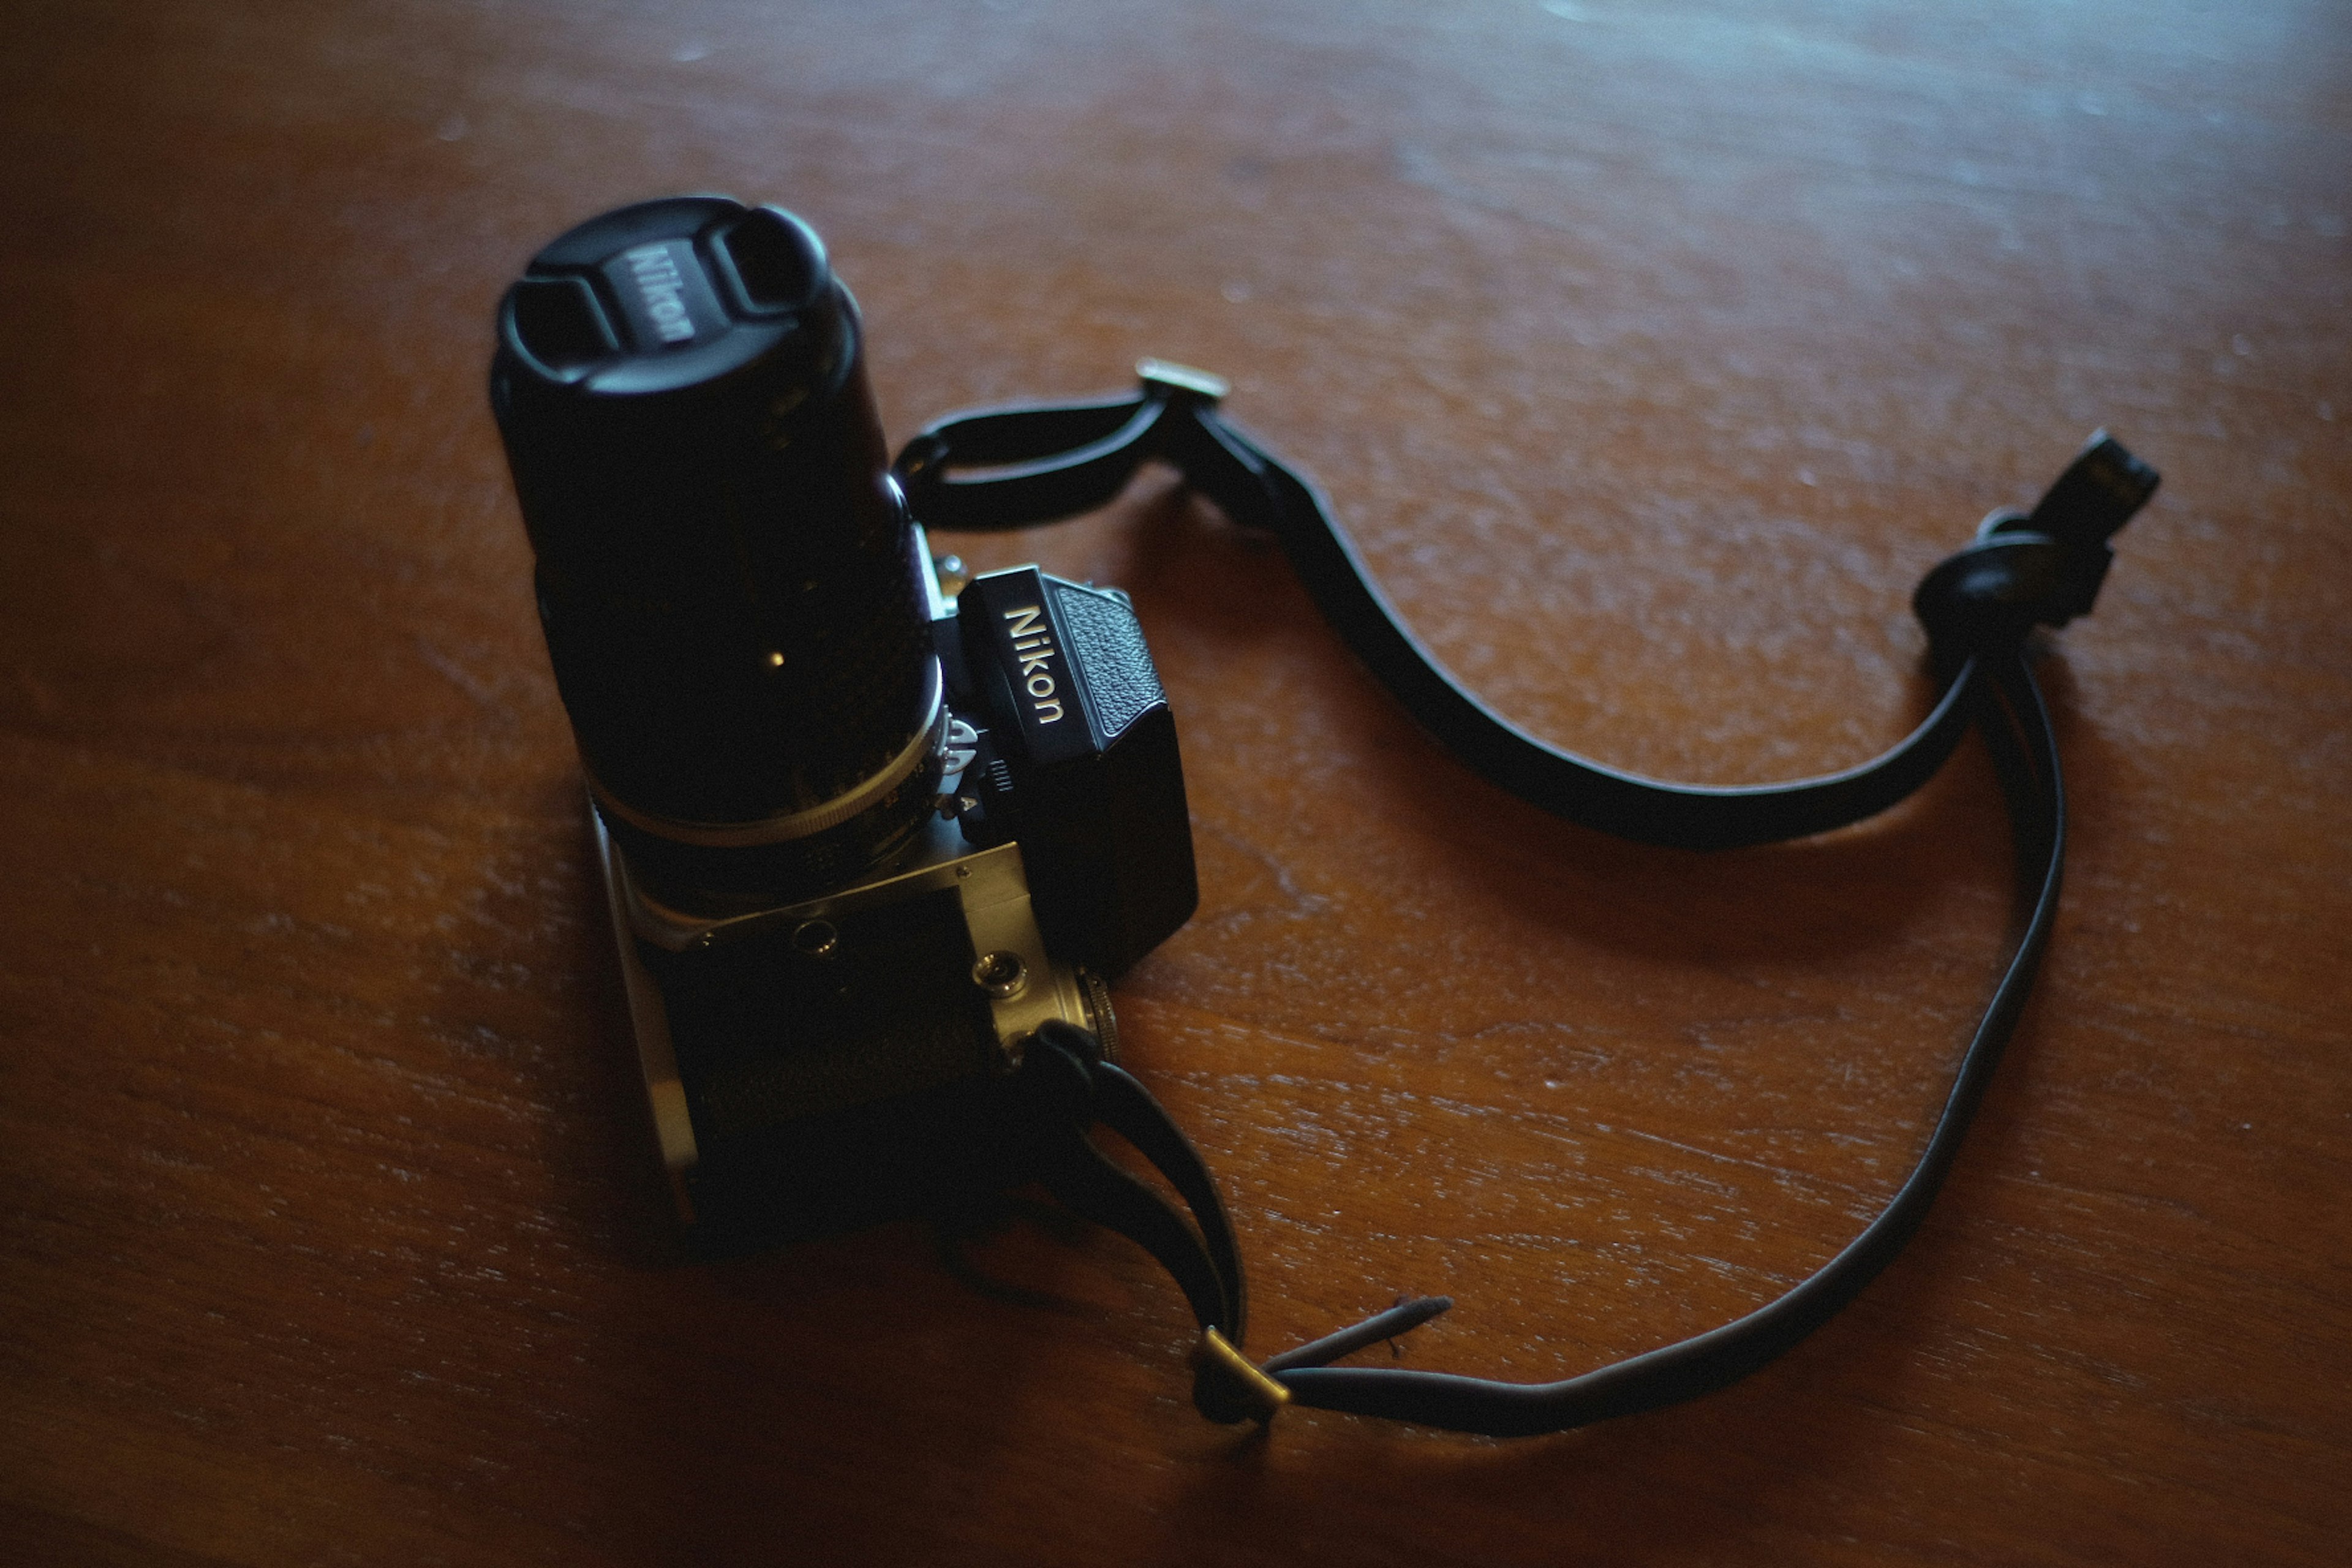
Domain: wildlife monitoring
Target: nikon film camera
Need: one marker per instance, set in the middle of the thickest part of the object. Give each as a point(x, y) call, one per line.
point(860, 839)
point(865, 850)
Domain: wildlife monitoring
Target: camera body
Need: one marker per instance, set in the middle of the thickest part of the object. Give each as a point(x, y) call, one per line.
point(859, 840)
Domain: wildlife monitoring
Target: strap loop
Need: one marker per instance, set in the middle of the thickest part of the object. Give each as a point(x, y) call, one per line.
point(1069, 1090)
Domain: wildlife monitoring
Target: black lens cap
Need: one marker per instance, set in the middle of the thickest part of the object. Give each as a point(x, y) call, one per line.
point(775, 261)
point(671, 294)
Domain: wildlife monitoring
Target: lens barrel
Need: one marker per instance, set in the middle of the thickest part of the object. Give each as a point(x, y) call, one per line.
point(727, 577)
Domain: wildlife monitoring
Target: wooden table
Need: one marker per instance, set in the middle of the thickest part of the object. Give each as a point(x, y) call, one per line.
point(1652, 353)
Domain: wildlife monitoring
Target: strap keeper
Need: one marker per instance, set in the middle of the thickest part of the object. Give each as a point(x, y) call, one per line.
point(2042, 567)
point(1227, 1387)
point(1181, 383)
point(2096, 495)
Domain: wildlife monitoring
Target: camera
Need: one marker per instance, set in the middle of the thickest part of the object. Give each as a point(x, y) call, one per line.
point(859, 839)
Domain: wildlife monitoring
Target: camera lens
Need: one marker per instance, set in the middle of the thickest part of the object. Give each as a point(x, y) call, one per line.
point(727, 575)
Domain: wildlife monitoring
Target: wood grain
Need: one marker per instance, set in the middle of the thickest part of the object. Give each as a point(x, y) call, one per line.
point(1652, 353)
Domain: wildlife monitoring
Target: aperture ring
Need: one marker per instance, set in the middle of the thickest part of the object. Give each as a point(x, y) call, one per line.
point(928, 739)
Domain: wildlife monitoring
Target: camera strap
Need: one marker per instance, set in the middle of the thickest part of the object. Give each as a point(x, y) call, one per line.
point(1013, 467)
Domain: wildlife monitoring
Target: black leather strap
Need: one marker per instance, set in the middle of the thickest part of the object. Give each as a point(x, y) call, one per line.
point(2011, 713)
point(2023, 569)
point(1007, 469)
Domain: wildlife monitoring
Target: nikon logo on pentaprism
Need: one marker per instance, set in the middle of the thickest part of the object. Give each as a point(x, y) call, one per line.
point(1033, 645)
point(1019, 629)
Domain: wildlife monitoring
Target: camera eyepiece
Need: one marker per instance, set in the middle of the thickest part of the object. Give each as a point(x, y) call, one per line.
point(727, 577)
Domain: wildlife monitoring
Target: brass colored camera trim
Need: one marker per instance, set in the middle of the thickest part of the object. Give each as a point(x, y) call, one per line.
point(991, 884)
